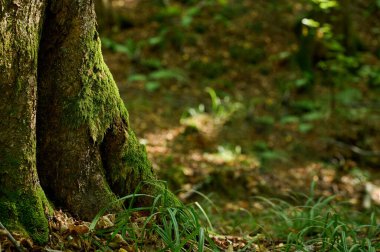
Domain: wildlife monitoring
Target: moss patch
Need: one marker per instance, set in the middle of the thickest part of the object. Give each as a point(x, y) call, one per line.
point(24, 212)
point(98, 101)
point(140, 177)
point(135, 159)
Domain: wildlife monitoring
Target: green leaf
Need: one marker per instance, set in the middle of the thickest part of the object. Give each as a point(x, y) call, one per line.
point(137, 77)
point(172, 213)
point(303, 82)
point(328, 5)
point(186, 20)
point(201, 242)
point(289, 119)
point(310, 22)
point(121, 49)
point(152, 86)
point(167, 74)
point(152, 63)
point(305, 127)
point(193, 11)
point(313, 116)
point(188, 17)
point(155, 40)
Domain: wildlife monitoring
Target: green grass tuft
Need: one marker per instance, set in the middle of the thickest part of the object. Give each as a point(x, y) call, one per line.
point(162, 226)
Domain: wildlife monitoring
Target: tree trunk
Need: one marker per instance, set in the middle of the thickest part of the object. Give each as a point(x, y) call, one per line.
point(77, 103)
point(87, 155)
point(22, 200)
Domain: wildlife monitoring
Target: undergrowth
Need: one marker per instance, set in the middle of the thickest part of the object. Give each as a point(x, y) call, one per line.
point(322, 224)
point(319, 224)
point(161, 226)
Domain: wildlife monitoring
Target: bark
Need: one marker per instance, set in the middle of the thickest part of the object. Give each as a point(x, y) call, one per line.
point(22, 201)
point(69, 165)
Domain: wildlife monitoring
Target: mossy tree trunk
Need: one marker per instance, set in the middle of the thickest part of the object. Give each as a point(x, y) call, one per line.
point(81, 142)
point(21, 197)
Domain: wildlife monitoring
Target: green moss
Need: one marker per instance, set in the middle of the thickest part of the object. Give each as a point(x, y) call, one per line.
point(10, 160)
point(139, 173)
point(24, 212)
point(31, 214)
point(18, 85)
point(129, 166)
point(136, 162)
point(7, 211)
point(98, 102)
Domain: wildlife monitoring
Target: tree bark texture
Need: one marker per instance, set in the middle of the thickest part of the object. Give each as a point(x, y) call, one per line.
point(85, 153)
point(22, 200)
point(84, 139)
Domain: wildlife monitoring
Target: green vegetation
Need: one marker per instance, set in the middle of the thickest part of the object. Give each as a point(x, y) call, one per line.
point(28, 208)
point(249, 101)
point(321, 225)
point(159, 227)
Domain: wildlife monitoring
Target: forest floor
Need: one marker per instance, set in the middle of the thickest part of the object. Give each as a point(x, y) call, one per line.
point(215, 94)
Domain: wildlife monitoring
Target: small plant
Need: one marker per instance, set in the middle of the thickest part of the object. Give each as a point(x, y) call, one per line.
point(210, 122)
point(221, 109)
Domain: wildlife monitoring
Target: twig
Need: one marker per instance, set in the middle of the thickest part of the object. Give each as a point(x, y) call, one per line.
point(10, 237)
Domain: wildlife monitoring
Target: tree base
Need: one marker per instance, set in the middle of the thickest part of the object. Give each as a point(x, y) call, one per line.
point(24, 211)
